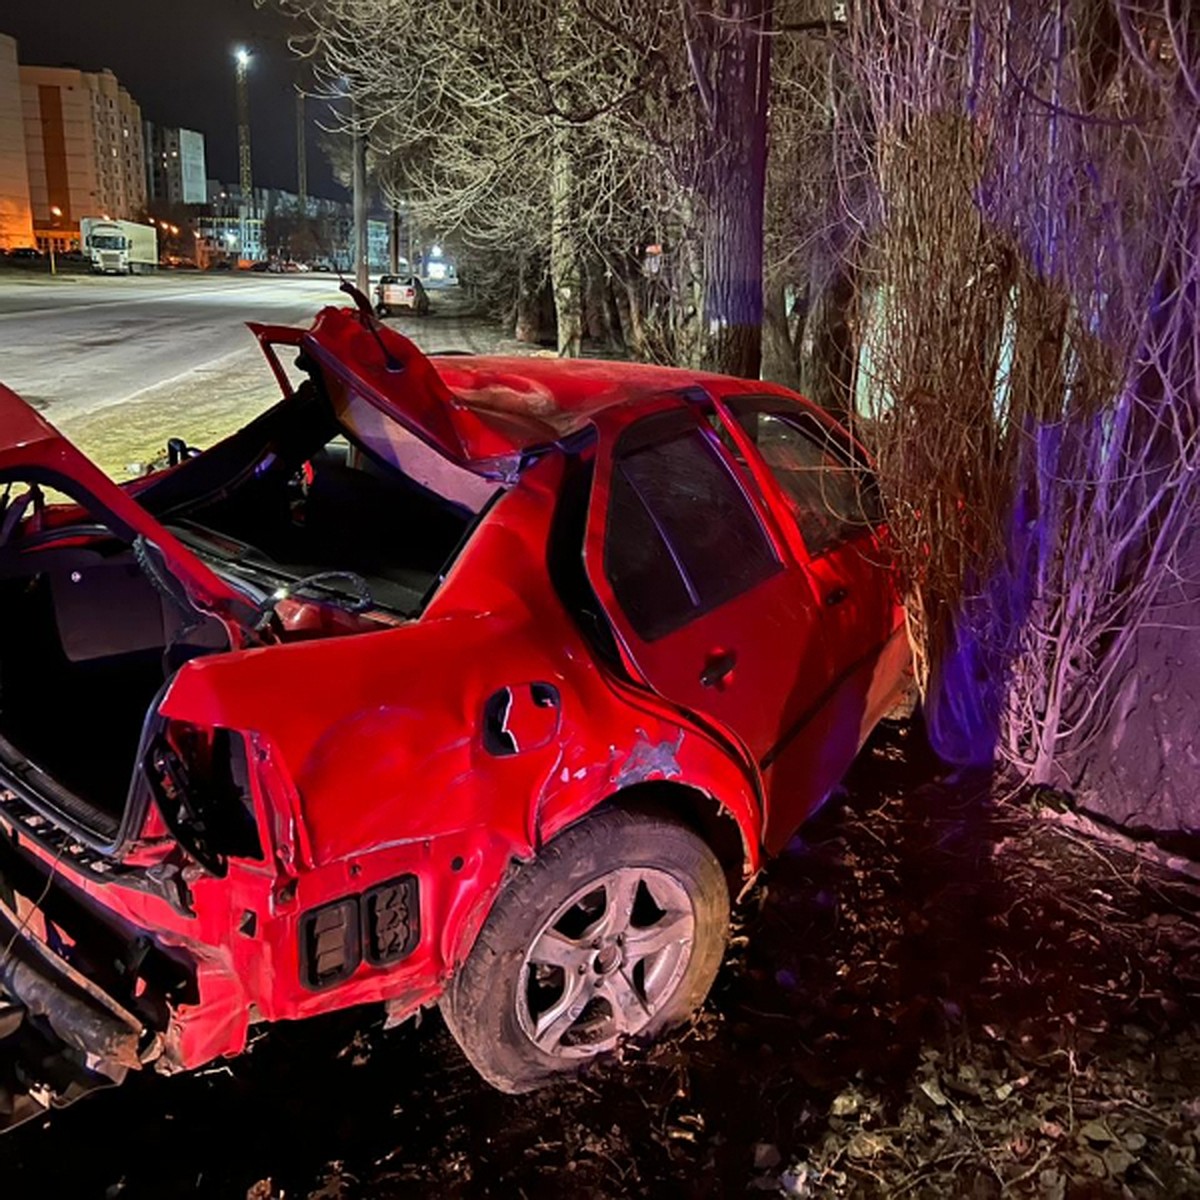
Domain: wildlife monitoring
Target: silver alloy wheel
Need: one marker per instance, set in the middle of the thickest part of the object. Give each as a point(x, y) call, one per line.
point(606, 962)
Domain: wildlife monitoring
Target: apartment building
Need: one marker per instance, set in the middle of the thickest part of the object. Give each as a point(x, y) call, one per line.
point(83, 146)
point(16, 215)
point(175, 165)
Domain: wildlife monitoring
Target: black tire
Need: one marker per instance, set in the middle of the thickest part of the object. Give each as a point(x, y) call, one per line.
point(480, 1005)
point(381, 310)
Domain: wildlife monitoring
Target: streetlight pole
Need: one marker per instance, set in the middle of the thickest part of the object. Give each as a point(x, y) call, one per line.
point(362, 274)
point(301, 155)
point(55, 212)
point(246, 179)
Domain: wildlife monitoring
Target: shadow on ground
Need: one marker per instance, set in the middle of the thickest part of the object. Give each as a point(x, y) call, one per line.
point(929, 994)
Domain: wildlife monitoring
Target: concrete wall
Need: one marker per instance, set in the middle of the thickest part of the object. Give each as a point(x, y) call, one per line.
point(16, 216)
point(1144, 773)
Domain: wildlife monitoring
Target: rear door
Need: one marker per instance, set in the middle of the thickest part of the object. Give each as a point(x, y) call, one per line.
point(706, 598)
point(833, 519)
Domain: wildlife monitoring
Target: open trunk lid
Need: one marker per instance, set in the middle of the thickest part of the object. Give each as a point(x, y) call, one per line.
point(362, 361)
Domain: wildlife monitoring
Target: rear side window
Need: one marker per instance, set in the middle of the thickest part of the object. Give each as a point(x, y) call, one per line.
point(832, 496)
point(682, 538)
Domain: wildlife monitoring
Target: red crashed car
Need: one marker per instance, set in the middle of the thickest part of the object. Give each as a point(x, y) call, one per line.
point(449, 680)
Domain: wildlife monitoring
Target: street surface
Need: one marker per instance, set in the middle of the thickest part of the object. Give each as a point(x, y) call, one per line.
point(121, 363)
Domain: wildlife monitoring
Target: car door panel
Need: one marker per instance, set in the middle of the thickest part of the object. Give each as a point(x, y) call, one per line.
point(814, 483)
point(710, 610)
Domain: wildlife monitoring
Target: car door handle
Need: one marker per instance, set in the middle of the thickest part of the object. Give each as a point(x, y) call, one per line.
point(839, 595)
point(718, 668)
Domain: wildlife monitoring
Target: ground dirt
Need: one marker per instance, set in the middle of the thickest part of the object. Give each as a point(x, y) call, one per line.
point(932, 993)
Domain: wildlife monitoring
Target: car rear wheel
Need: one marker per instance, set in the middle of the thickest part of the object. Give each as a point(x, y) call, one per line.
point(381, 310)
point(615, 931)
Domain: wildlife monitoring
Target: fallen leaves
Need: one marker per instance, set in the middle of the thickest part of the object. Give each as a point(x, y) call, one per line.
point(930, 995)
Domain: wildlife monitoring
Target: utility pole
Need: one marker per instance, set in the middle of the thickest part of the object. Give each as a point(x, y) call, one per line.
point(246, 179)
point(362, 274)
point(301, 155)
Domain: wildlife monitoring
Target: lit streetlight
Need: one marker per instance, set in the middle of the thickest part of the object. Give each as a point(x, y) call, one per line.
point(245, 177)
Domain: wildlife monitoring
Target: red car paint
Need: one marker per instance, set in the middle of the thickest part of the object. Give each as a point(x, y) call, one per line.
point(364, 733)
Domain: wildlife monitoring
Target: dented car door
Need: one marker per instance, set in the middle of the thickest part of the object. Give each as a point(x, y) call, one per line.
point(708, 602)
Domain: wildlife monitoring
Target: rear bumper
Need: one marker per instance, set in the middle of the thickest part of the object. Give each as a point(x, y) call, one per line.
point(37, 1071)
point(60, 1036)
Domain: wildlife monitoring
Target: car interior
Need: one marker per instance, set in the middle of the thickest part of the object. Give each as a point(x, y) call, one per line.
point(87, 641)
point(93, 624)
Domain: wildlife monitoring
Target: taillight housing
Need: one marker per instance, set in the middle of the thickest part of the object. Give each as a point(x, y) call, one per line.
point(330, 949)
point(381, 926)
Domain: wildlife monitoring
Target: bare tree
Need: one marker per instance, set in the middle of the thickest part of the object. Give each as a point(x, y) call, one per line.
point(1030, 278)
point(506, 117)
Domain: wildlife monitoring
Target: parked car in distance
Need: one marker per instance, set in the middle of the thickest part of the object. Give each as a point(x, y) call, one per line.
point(479, 682)
point(25, 252)
point(394, 292)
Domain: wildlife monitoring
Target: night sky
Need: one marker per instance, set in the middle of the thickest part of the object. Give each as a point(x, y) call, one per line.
point(175, 57)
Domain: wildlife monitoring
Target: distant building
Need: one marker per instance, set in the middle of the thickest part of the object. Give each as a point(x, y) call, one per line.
point(175, 166)
point(83, 145)
point(330, 225)
point(16, 213)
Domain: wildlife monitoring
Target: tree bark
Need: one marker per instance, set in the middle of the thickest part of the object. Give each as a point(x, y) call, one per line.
point(565, 274)
point(362, 270)
point(778, 359)
point(528, 324)
point(730, 51)
point(829, 380)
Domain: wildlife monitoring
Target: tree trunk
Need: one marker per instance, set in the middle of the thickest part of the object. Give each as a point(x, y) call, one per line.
point(595, 304)
point(729, 47)
point(362, 270)
point(612, 311)
point(528, 324)
point(829, 380)
point(627, 299)
point(779, 362)
point(565, 275)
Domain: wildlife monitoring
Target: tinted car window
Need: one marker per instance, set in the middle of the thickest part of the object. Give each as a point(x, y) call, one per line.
point(640, 566)
point(682, 537)
point(831, 496)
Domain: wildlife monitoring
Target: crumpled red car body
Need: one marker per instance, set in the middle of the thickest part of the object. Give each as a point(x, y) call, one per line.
point(398, 766)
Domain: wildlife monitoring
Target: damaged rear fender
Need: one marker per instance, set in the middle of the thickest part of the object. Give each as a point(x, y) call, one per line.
point(681, 769)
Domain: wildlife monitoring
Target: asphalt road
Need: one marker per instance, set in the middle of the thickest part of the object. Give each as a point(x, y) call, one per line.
point(76, 345)
point(120, 363)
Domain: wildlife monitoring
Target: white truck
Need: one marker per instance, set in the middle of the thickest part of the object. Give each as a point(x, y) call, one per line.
point(119, 247)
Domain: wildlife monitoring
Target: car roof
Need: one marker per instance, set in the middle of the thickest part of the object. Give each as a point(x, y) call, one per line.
point(536, 394)
point(481, 412)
